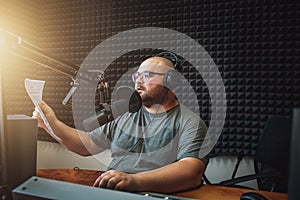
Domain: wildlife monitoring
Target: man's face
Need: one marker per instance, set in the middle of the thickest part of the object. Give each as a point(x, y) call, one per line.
point(149, 80)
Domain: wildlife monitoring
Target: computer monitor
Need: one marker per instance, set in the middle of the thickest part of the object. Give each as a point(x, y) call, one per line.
point(18, 150)
point(294, 173)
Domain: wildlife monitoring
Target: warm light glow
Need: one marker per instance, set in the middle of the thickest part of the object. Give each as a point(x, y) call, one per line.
point(7, 42)
point(18, 26)
point(2, 42)
point(3, 48)
point(2, 37)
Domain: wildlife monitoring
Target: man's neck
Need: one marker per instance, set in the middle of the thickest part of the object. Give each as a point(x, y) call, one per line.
point(165, 106)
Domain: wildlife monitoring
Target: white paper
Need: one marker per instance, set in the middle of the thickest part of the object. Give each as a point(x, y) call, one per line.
point(35, 89)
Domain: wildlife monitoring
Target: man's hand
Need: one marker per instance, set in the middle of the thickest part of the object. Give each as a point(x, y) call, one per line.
point(117, 180)
point(49, 113)
point(180, 175)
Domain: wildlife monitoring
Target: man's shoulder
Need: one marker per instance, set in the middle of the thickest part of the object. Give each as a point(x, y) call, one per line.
point(185, 110)
point(189, 115)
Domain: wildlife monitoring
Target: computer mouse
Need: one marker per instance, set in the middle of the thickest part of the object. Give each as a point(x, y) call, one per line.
point(252, 196)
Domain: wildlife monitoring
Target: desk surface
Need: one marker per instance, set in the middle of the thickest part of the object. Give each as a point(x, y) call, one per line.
point(205, 192)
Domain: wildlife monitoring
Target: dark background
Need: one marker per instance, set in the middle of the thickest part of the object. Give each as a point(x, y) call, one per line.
point(255, 45)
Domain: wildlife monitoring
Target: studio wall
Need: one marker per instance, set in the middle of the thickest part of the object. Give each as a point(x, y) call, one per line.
point(254, 44)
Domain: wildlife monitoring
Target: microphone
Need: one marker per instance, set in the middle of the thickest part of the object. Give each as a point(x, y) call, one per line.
point(130, 102)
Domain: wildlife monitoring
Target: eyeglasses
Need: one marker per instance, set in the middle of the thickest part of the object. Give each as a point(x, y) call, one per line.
point(145, 75)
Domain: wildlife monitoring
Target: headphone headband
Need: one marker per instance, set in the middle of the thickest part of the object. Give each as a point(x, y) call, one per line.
point(171, 57)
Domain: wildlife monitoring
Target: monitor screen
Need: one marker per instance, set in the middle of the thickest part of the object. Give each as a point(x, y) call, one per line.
point(18, 150)
point(294, 173)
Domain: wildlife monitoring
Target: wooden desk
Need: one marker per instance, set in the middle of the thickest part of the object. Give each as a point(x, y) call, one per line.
point(205, 192)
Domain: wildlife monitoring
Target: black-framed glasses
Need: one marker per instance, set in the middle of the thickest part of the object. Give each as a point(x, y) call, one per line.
point(145, 75)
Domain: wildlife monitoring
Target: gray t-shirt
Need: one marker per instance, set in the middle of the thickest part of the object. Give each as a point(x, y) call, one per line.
point(142, 141)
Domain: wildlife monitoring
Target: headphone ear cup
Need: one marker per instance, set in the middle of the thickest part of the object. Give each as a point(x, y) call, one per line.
point(171, 79)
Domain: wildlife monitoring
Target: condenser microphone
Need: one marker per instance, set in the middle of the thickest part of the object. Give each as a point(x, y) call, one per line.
point(128, 100)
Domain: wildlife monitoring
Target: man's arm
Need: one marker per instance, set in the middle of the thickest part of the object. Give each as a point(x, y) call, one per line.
point(75, 140)
point(181, 175)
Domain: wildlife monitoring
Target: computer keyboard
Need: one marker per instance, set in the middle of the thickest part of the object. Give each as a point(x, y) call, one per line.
point(42, 188)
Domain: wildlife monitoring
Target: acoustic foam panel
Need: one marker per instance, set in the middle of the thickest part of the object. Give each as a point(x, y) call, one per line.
point(255, 45)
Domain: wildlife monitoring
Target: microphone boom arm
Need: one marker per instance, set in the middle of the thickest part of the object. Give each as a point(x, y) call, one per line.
point(23, 49)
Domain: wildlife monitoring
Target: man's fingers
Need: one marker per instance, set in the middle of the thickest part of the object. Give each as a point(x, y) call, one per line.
point(107, 180)
point(111, 183)
point(97, 181)
point(101, 180)
point(36, 115)
point(36, 109)
point(113, 180)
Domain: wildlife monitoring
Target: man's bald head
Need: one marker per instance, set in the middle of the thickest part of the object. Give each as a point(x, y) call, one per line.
point(158, 64)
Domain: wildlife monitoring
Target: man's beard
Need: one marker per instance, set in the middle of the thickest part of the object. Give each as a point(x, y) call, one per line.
point(155, 98)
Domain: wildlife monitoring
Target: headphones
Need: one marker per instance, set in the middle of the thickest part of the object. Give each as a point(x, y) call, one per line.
point(172, 77)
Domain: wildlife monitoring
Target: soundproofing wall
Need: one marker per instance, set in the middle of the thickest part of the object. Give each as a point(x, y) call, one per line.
point(254, 44)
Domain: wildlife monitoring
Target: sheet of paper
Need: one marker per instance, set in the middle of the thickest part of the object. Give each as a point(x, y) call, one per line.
point(35, 89)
